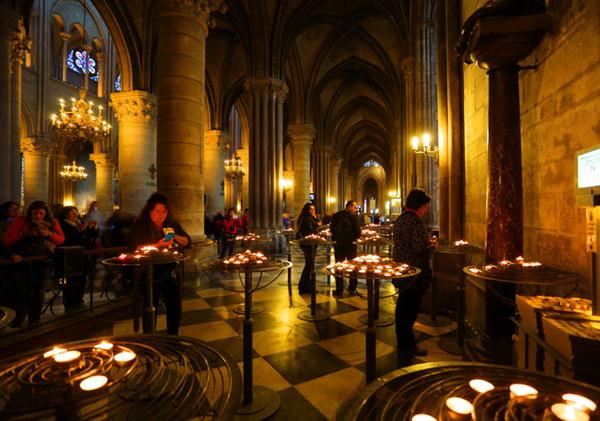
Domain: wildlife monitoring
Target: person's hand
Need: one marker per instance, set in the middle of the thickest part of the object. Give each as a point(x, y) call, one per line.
point(43, 232)
point(182, 240)
point(165, 243)
point(15, 258)
point(433, 241)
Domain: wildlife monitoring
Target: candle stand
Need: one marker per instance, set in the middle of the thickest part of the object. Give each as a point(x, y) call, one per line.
point(290, 234)
point(259, 402)
point(472, 391)
point(7, 315)
point(142, 377)
point(373, 283)
point(313, 315)
point(141, 267)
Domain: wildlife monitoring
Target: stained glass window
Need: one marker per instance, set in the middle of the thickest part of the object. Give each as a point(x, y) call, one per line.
point(118, 83)
point(76, 61)
point(371, 163)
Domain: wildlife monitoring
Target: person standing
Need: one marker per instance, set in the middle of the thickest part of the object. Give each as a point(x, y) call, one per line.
point(151, 228)
point(307, 224)
point(231, 228)
point(412, 245)
point(345, 230)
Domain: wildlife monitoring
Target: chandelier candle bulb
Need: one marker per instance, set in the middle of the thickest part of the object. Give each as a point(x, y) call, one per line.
point(566, 412)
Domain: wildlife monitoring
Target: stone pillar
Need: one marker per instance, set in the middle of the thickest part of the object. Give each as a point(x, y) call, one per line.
point(37, 158)
point(334, 192)
point(64, 50)
point(19, 47)
point(290, 204)
point(105, 168)
point(301, 136)
point(266, 152)
point(243, 187)
point(8, 22)
point(408, 157)
point(182, 32)
point(497, 44)
point(322, 156)
point(101, 69)
point(216, 143)
point(136, 113)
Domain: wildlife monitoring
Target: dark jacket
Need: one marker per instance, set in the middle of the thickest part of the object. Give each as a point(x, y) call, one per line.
point(412, 246)
point(306, 226)
point(74, 237)
point(345, 229)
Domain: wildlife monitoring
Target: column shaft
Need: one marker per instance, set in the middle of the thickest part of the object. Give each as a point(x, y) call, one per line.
point(36, 153)
point(136, 111)
point(302, 136)
point(6, 25)
point(18, 49)
point(215, 144)
point(105, 166)
point(334, 192)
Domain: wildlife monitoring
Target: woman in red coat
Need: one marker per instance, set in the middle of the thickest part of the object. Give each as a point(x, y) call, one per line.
point(36, 234)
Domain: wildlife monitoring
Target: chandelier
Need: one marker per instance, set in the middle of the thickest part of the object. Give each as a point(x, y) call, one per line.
point(73, 172)
point(78, 122)
point(428, 150)
point(234, 167)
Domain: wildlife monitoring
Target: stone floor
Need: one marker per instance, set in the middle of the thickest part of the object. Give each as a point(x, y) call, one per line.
point(314, 366)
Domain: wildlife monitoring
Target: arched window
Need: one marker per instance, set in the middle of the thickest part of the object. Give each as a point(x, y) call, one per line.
point(81, 62)
point(118, 83)
point(371, 163)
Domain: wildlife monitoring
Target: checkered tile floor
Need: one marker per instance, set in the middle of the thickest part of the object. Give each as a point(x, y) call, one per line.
point(315, 367)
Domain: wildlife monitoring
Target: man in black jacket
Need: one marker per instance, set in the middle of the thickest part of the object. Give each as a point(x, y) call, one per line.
point(345, 230)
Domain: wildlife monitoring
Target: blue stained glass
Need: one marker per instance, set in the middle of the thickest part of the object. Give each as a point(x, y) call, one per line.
point(76, 61)
point(371, 163)
point(118, 83)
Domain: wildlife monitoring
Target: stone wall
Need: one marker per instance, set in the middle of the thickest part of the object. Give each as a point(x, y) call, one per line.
point(560, 100)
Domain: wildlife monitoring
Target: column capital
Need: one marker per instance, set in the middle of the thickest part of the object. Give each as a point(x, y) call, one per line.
point(302, 133)
point(275, 86)
point(134, 106)
point(323, 150)
point(39, 147)
point(408, 66)
point(336, 164)
point(65, 36)
point(20, 44)
point(217, 140)
point(103, 159)
point(200, 9)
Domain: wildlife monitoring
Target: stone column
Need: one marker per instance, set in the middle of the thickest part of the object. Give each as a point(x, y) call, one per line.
point(19, 47)
point(8, 22)
point(136, 113)
point(322, 156)
point(497, 44)
point(105, 168)
point(216, 143)
point(266, 151)
point(182, 32)
point(243, 187)
point(64, 50)
point(101, 69)
point(334, 186)
point(301, 136)
point(37, 158)
point(290, 204)
point(408, 158)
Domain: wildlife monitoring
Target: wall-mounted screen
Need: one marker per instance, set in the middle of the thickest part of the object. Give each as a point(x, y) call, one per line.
point(588, 169)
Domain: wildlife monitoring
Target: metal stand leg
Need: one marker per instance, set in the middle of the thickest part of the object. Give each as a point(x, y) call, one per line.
point(312, 315)
point(454, 344)
point(259, 402)
point(433, 319)
point(148, 322)
point(380, 321)
point(289, 279)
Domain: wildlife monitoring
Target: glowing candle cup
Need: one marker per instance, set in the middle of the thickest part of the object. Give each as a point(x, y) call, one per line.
point(93, 383)
point(518, 389)
point(566, 412)
point(67, 357)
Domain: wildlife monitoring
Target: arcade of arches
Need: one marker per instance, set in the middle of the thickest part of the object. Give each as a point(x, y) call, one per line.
point(326, 93)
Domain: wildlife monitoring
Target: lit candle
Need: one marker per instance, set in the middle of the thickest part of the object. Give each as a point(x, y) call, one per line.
point(124, 357)
point(459, 408)
point(54, 351)
point(518, 389)
point(423, 417)
point(67, 357)
point(481, 386)
point(580, 402)
point(93, 383)
point(104, 345)
point(415, 143)
point(566, 412)
point(426, 140)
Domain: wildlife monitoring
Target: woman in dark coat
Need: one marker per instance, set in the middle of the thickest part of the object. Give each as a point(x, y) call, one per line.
point(307, 224)
point(155, 226)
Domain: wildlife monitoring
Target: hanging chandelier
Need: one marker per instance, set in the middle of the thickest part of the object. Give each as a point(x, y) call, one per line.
point(234, 167)
point(79, 122)
point(73, 172)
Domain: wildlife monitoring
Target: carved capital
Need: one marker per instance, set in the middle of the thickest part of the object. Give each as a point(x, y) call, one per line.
point(301, 133)
point(103, 159)
point(217, 140)
point(201, 9)
point(134, 106)
point(408, 66)
point(257, 86)
point(336, 164)
point(38, 147)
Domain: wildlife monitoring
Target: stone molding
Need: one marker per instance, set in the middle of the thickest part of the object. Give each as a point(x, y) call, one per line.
point(275, 86)
point(134, 106)
point(217, 140)
point(20, 44)
point(103, 159)
point(38, 147)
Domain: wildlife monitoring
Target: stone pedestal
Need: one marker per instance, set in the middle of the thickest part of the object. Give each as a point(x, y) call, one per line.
point(215, 146)
point(182, 31)
point(105, 167)
point(266, 97)
point(302, 136)
point(37, 158)
point(497, 44)
point(136, 113)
